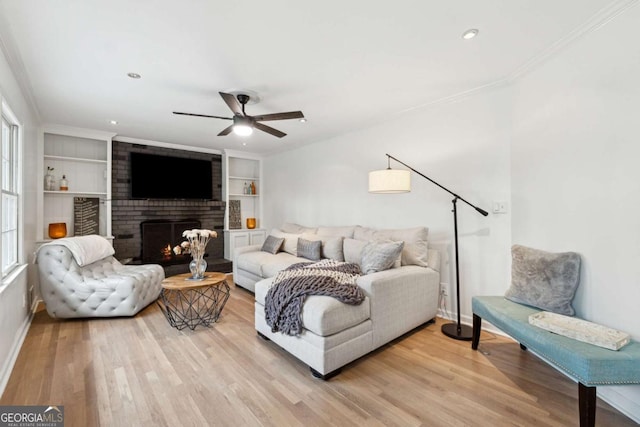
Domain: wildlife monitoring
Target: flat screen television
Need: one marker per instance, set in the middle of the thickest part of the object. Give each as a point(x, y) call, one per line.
point(169, 177)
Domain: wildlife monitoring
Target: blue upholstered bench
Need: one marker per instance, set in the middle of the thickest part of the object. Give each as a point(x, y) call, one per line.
point(588, 364)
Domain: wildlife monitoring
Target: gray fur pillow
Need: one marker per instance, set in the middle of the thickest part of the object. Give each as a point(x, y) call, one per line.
point(543, 279)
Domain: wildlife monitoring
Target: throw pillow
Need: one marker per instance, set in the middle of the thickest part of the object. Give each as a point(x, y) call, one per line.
point(272, 244)
point(353, 250)
point(544, 280)
point(379, 256)
point(331, 246)
point(309, 249)
point(290, 244)
point(415, 243)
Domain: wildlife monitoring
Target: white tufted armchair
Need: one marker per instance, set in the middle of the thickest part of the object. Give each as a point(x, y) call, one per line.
point(79, 277)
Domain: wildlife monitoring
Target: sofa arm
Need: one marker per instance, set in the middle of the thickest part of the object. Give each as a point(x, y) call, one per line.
point(401, 299)
point(244, 249)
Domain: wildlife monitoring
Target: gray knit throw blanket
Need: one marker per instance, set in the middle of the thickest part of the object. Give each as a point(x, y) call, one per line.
point(283, 303)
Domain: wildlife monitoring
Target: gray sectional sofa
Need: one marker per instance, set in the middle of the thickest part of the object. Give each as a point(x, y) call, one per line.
point(397, 299)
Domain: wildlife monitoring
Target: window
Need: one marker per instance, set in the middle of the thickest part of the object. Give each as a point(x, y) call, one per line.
point(9, 168)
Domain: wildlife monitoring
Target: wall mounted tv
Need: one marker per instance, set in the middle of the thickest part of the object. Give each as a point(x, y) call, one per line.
point(169, 177)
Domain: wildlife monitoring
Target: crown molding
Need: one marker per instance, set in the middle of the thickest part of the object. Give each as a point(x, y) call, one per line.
point(597, 21)
point(12, 55)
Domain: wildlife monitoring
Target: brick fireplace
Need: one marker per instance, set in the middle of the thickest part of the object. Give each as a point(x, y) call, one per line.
point(127, 215)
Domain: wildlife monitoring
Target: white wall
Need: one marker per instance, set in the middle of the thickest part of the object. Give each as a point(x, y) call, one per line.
point(576, 173)
point(15, 293)
point(464, 146)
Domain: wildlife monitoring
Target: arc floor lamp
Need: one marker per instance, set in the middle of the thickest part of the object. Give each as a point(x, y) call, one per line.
point(390, 181)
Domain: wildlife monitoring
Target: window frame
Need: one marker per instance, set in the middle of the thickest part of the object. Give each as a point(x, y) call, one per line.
point(11, 193)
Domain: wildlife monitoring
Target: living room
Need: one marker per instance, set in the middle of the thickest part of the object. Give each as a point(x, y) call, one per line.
point(553, 138)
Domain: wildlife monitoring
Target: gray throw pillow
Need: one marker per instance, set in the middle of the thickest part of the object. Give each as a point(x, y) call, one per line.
point(379, 256)
point(272, 244)
point(309, 249)
point(544, 280)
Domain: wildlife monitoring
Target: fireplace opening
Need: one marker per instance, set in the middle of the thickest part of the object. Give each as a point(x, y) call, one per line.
point(161, 240)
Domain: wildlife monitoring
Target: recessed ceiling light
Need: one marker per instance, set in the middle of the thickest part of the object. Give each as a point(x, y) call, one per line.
point(244, 143)
point(113, 122)
point(134, 75)
point(469, 34)
point(303, 120)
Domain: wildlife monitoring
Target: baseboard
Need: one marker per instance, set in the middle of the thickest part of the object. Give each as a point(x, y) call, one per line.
point(628, 406)
point(5, 372)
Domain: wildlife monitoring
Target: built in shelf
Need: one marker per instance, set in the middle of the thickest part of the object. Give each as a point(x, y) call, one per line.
point(74, 159)
point(243, 195)
point(245, 178)
point(76, 193)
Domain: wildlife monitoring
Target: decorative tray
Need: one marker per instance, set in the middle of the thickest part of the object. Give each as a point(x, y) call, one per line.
point(581, 330)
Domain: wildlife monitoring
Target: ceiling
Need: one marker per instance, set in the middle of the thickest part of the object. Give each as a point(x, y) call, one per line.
point(345, 64)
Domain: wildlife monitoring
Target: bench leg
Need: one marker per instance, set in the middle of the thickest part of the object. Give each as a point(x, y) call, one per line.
point(477, 326)
point(587, 405)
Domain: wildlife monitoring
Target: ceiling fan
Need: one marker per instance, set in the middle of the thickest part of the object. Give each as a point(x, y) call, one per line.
point(243, 124)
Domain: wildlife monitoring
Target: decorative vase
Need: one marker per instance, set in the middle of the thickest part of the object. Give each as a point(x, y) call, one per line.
point(251, 223)
point(197, 266)
point(48, 182)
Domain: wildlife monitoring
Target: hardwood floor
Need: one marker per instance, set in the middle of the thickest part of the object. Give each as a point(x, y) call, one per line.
point(141, 372)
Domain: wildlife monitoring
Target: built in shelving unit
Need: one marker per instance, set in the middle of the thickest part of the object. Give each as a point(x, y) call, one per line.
point(240, 169)
point(83, 156)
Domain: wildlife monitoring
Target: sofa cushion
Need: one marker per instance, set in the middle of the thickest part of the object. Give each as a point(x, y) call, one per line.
point(289, 227)
point(272, 244)
point(331, 246)
point(323, 315)
point(346, 232)
point(353, 250)
point(280, 261)
point(253, 261)
point(290, 244)
point(310, 249)
point(415, 241)
point(544, 280)
point(379, 256)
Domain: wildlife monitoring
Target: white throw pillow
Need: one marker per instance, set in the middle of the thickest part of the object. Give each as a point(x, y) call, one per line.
point(290, 244)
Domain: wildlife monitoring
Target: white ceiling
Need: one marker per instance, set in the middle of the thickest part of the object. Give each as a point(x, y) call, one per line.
point(345, 64)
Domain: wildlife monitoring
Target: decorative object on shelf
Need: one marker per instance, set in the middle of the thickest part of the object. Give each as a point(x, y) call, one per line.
point(86, 216)
point(251, 223)
point(198, 240)
point(64, 184)
point(391, 181)
point(57, 230)
point(253, 188)
point(245, 189)
point(235, 217)
point(49, 179)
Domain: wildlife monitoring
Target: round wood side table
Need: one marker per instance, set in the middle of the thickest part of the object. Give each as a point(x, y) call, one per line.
point(189, 303)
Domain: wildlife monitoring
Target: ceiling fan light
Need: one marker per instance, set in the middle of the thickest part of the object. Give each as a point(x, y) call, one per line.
point(242, 129)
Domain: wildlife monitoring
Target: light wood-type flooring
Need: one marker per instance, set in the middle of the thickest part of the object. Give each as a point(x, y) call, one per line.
point(141, 372)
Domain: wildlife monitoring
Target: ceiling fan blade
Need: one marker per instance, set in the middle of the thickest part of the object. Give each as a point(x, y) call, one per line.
point(226, 131)
point(232, 102)
point(269, 129)
point(280, 116)
point(202, 115)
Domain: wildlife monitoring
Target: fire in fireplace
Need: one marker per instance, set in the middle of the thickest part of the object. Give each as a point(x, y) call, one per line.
point(159, 237)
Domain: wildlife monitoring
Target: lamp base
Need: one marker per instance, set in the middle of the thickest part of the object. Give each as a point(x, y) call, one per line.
point(451, 330)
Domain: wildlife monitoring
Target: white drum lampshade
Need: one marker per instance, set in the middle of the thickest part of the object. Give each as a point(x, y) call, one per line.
point(390, 181)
